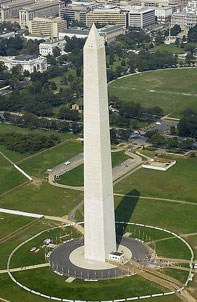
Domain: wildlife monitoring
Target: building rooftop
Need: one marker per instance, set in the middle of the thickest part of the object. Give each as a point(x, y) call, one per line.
point(25, 57)
point(40, 5)
point(75, 30)
point(116, 254)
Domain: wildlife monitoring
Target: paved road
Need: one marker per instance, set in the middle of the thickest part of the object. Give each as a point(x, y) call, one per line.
point(119, 171)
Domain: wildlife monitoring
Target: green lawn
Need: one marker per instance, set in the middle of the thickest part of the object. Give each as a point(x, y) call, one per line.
point(10, 223)
point(177, 274)
point(10, 177)
point(180, 218)
point(179, 182)
point(14, 293)
point(173, 90)
point(192, 240)
point(42, 198)
point(173, 248)
point(55, 285)
point(171, 48)
point(7, 247)
point(38, 166)
point(16, 156)
point(75, 177)
point(23, 257)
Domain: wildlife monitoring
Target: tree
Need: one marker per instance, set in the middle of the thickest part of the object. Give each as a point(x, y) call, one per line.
point(192, 34)
point(175, 30)
point(56, 52)
point(157, 139)
point(53, 86)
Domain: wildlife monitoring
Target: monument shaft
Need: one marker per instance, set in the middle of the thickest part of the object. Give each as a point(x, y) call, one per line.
point(99, 221)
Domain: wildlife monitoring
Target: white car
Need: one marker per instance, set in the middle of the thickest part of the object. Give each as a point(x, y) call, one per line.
point(49, 170)
point(64, 170)
point(67, 163)
point(33, 249)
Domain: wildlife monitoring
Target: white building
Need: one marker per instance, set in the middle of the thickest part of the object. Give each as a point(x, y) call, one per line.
point(186, 18)
point(163, 14)
point(116, 256)
point(46, 27)
point(45, 9)
point(27, 62)
point(140, 17)
point(47, 48)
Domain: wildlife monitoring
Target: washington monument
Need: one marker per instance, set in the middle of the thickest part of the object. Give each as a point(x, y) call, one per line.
point(99, 221)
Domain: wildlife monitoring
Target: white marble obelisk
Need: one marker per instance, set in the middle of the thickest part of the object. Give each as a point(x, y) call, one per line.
point(99, 221)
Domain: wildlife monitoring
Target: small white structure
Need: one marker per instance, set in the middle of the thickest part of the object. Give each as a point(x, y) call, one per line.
point(47, 241)
point(6, 34)
point(30, 63)
point(163, 14)
point(116, 256)
point(159, 164)
point(47, 48)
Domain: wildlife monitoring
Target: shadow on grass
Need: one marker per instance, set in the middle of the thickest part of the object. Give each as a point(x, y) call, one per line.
point(124, 211)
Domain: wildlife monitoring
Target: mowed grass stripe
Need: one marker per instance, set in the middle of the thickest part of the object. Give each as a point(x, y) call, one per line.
point(9, 176)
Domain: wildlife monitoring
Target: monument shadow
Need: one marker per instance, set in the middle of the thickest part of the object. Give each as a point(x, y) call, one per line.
point(124, 211)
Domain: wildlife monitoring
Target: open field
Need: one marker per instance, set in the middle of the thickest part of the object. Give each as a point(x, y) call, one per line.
point(42, 198)
point(10, 177)
point(38, 165)
point(192, 240)
point(179, 218)
point(23, 257)
point(171, 48)
point(7, 247)
point(10, 223)
point(75, 177)
point(16, 156)
point(15, 294)
point(179, 182)
point(173, 90)
point(81, 290)
point(173, 248)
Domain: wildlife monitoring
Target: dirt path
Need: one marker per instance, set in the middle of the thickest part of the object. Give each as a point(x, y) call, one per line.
point(19, 269)
point(158, 198)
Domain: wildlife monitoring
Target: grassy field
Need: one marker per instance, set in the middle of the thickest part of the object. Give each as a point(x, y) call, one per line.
point(101, 290)
point(180, 218)
point(173, 90)
point(173, 248)
point(42, 198)
point(179, 182)
point(10, 177)
point(23, 257)
point(192, 240)
point(16, 156)
point(171, 48)
point(16, 294)
point(10, 223)
point(7, 247)
point(38, 166)
point(75, 177)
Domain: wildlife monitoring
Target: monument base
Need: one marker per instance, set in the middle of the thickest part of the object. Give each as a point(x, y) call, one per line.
point(68, 259)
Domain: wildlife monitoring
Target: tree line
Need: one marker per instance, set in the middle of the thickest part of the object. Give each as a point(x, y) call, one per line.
point(27, 142)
